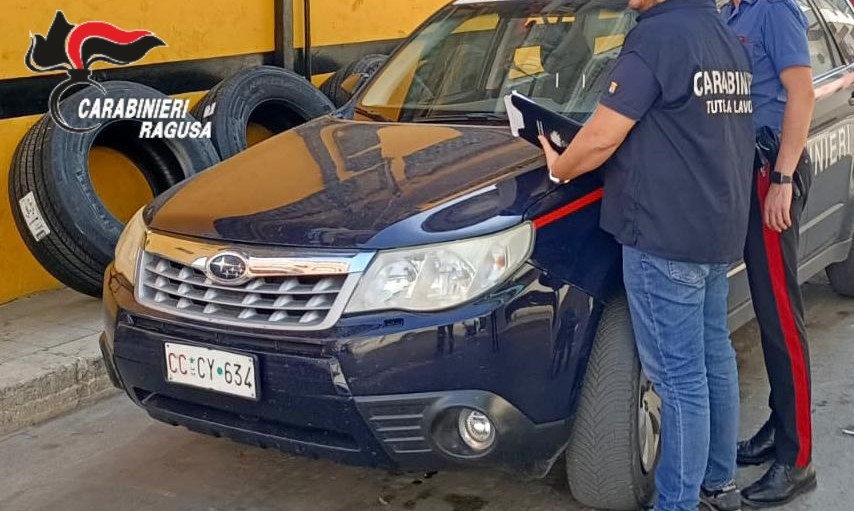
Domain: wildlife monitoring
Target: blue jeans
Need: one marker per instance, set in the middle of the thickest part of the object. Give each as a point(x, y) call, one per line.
point(679, 313)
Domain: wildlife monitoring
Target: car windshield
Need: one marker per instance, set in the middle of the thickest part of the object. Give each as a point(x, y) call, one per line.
point(463, 62)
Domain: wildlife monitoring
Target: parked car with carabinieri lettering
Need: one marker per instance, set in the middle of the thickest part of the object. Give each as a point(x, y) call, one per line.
point(401, 285)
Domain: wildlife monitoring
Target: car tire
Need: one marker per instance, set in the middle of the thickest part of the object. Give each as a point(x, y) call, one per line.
point(605, 465)
point(841, 276)
point(273, 98)
point(367, 65)
point(73, 234)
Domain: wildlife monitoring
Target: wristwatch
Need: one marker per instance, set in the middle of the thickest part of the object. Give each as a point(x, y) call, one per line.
point(781, 179)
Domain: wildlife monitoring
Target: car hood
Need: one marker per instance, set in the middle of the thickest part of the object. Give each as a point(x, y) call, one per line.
point(346, 184)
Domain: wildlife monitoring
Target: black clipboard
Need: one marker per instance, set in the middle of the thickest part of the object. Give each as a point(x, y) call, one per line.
point(528, 120)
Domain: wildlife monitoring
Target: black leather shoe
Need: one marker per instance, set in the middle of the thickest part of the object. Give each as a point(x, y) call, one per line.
point(780, 485)
point(727, 498)
point(758, 449)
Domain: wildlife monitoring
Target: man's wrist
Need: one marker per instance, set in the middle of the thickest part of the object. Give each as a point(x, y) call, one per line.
point(557, 180)
point(781, 178)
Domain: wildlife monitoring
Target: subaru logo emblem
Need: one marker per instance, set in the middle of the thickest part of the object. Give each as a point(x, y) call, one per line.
point(228, 268)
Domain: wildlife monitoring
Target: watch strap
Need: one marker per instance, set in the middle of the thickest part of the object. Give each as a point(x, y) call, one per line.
point(781, 179)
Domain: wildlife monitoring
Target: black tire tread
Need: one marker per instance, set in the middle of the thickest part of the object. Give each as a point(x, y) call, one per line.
point(369, 64)
point(83, 233)
point(57, 250)
point(229, 129)
point(210, 97)
point(332, 87)
point(600, 466)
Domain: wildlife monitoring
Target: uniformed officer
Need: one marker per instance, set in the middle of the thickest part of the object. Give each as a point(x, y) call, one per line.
point(675, 128)
point(775, 34)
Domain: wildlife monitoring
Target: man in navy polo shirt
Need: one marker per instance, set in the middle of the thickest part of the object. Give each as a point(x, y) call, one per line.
point(675, 128)
point(774, 32)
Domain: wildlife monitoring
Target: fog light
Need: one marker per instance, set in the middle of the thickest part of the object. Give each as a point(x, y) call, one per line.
point(476, 430)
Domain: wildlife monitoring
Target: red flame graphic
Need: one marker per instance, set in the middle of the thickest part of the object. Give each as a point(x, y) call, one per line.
point(100, 29)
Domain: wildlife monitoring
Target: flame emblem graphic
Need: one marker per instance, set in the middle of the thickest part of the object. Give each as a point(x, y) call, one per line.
point(74, 48)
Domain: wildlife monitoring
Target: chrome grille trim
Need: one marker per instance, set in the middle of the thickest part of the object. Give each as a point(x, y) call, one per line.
point(289, 293)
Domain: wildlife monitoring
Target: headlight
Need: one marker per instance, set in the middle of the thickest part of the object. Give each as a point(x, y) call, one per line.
point(129, 245)
point(437, 277)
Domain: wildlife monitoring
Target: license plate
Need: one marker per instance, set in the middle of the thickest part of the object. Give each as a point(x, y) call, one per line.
point(204, 368)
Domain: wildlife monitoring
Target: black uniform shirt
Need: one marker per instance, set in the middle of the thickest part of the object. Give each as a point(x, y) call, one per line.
point(679, 186)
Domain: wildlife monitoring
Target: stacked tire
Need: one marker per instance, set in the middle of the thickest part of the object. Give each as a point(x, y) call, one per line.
point(63, 222)
point(367, 66)
point(61, 218)
point(273, 98)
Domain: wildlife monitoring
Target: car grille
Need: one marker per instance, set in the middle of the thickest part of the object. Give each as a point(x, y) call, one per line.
point(285, 302)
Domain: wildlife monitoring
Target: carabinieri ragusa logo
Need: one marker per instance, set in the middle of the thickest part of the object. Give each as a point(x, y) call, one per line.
point(74, 48)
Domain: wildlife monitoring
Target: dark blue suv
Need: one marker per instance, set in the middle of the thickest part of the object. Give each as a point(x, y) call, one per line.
point(402, 286)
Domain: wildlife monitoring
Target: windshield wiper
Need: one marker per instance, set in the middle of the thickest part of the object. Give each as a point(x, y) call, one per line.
point(470, 117)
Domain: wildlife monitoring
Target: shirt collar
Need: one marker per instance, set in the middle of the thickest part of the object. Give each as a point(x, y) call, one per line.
point(672, 5)
point(729, 8)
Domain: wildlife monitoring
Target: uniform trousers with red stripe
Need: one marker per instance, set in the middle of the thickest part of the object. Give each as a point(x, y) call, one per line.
point(772, 266)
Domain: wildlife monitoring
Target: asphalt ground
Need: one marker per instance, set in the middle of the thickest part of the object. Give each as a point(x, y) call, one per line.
point(112, 457)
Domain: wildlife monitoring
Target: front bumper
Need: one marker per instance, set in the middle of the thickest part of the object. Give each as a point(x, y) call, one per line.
point(315, 400)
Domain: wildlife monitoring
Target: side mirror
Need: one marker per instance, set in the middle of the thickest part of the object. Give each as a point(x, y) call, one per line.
point(352, 83)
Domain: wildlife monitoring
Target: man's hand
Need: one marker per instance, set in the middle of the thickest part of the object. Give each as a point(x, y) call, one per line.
point(551, 158)
point(597, 141)
point(778, 207)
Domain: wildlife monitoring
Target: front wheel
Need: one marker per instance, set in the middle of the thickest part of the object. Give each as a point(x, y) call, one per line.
point(616, 439)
